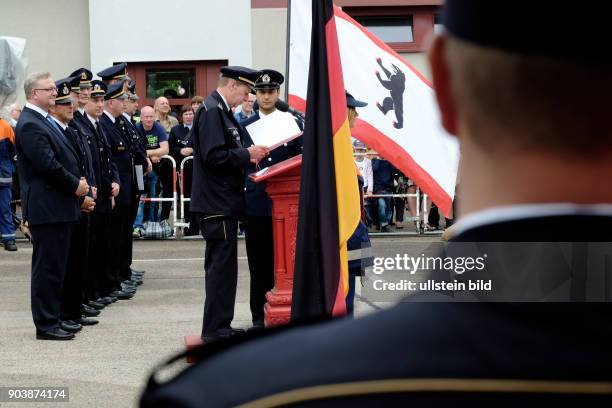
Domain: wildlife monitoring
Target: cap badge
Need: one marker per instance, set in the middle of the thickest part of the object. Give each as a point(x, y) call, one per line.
point(83, 75)
point(265, 78)
point(65, 90)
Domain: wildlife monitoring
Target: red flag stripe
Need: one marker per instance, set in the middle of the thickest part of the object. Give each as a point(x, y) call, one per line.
point(393, 152)
point(336, 79)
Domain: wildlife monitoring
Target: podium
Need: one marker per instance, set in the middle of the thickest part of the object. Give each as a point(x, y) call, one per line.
point(283, 187)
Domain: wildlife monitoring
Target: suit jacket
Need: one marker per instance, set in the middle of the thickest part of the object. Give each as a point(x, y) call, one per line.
point(178, 139)
point(414, 349)
point(49, 171)
point(219, 160)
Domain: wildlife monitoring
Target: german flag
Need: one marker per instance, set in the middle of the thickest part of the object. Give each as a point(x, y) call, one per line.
point(329, 196)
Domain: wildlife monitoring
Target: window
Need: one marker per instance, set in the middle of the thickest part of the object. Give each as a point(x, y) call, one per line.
point(170, 82)
point(390, 29)
point(438, 27)
point(178, 81)
point(404, 25)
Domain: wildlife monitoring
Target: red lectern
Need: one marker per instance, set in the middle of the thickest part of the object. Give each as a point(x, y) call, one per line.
point(283, 187)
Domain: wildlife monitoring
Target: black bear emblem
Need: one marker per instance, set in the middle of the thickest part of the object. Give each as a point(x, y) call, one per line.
point(396, 84)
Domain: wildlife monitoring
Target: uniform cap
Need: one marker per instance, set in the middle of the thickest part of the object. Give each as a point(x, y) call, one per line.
point(269, 79)
point(118, 71)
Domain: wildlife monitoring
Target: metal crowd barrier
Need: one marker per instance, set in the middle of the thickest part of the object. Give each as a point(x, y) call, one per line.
point(183, 199)
point(179, 201)
point(419, 204)
point(174, 198)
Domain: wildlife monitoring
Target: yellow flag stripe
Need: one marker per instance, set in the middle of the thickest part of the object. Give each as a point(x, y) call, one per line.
point(347, 193)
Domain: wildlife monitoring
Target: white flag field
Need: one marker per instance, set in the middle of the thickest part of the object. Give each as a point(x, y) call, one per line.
point(401, 121)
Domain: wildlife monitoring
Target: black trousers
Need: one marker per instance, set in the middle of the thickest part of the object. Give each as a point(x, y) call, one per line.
point(121, 245)
point(51, 243)
point(98, 280)
point(260, 252)
point(220, 271)
point(74, 281)
point(126, 272)
point(399, 204)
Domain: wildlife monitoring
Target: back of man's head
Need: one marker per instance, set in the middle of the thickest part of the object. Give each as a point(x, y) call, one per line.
point(531, 114)
point(514, 101)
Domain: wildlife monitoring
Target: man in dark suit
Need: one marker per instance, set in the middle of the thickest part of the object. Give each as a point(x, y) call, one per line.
point(50, 191)
point(180, 145)
point(218, 193)
point(528, 165)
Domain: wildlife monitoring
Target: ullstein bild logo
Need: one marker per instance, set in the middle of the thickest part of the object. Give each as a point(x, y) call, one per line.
point(432, 285)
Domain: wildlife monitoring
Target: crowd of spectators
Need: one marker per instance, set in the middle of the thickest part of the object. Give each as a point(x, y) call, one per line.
point(388, 193)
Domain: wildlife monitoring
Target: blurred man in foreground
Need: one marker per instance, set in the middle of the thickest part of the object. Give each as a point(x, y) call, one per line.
point(528, 165)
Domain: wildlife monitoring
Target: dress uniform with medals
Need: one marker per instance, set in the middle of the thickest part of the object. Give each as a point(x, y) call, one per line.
point(74, 281)
point(112, 75)
point(258, 226)
point(121, 217)
point(106, 173)
point(220, 158)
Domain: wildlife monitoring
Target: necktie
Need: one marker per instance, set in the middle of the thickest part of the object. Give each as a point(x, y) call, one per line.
point(186, 129)
point(54, 124)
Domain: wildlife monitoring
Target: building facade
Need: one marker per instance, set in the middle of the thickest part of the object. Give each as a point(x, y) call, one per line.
point(176, 48)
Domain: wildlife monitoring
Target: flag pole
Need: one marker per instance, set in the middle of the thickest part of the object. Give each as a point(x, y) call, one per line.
point(288, 50)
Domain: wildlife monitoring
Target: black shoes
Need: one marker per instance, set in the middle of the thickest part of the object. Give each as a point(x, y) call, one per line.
point(385, 229)
point(70, 326)
point(224, 333)
point(128, 285)
point(83, 321)
point(10, 245)
point(90, 311)
point(121, 295)
point(96, 305)
point(256, 327)
point(54, 334)
point(106, 300)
